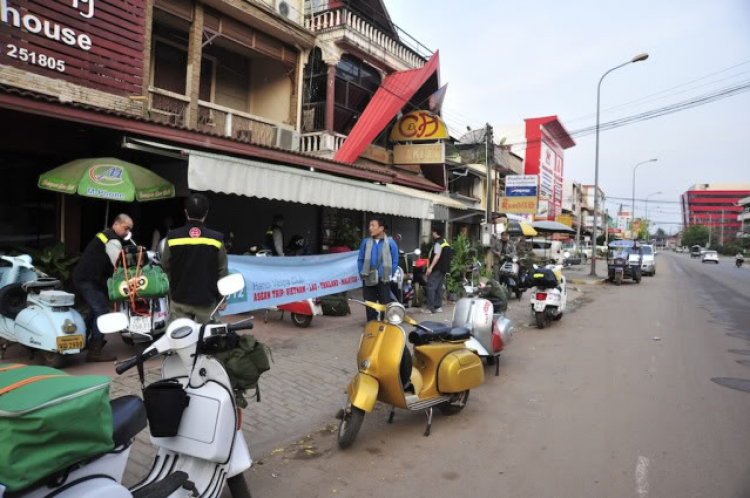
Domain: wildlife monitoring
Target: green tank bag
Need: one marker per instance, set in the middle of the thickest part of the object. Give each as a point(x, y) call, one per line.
point(50, 420)
point(150, 282)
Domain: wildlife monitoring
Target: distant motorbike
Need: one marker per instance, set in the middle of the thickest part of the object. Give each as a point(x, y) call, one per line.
point(512, 274)
point(739, 262)
point(35, 313)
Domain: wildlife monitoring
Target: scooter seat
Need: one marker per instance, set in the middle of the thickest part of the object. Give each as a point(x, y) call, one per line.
point(128, 419)
point(42, 284)
point(439, 331)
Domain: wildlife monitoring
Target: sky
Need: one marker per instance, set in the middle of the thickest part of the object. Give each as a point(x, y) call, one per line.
point(505, 61)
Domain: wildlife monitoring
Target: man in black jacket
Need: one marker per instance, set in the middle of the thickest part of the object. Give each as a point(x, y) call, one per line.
point(90, 276)
point(195, 259)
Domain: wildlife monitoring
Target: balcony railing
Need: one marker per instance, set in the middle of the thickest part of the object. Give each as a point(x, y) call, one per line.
point(239, 125)
point(322, 141)
point(167, 107)
point(343, 18)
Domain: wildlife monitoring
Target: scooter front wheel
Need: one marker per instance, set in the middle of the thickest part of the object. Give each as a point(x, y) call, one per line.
point(301, 321)
point(349, 427)
point(238, 487)
point(455, 405)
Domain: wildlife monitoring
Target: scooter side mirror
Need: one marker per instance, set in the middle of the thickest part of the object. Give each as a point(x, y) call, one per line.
point(231, 284)
point(112, 323)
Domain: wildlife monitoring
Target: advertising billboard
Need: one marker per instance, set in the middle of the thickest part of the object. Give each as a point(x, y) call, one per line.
point(521, 194)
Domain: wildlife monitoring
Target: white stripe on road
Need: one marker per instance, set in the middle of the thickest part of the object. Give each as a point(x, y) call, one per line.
point(641, 476)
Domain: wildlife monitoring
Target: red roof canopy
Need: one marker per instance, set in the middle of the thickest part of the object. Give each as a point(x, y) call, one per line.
point(395, 91)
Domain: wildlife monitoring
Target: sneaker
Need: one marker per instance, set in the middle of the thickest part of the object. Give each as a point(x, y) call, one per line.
point(439, 310)
point(428, 312)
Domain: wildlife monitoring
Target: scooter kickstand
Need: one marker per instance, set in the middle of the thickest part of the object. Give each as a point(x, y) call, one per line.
point(392, 414)
point(428, 429)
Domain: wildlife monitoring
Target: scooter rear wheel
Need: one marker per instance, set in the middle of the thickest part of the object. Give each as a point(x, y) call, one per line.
point(54, 360)
point(456, 405)
point(301, 321)
point(238, 487)
point(349, 427)
point(618, 279)
point(541, 319)
point(519, 293)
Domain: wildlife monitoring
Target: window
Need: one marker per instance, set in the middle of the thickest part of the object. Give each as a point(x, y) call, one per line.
point(170, 67)
point(356, 83)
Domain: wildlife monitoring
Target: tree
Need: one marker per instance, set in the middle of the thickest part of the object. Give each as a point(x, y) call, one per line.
point(696, 235)
point(643, 230)
point(660, 233)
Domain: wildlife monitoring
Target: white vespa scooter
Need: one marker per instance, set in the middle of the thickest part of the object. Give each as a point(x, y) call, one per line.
point(209, 450)
point(549, 299)
point(35, 313)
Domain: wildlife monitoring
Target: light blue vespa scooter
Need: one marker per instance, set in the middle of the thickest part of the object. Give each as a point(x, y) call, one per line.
point(35, 313)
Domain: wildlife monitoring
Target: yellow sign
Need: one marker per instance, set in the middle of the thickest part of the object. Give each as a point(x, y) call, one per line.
point(377, 154)
point(419, 154)
point(518, 205)
point(565, 219)
point(419, 126)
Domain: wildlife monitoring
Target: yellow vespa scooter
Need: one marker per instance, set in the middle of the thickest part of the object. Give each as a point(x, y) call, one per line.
point(441, 373)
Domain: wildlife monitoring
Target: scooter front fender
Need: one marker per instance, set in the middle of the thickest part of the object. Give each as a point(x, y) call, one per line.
point(241, 460)
point(363, 391)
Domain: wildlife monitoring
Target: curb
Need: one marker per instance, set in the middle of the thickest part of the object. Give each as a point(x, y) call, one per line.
point(586, 282)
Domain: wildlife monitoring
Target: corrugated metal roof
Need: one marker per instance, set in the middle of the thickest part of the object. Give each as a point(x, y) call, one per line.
point(393, 94)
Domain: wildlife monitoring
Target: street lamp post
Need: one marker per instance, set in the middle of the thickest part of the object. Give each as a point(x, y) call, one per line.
point(637, 58)
point(647, 198)
point(635, 168)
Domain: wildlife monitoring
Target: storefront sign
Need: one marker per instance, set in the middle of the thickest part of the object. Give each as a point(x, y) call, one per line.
point(520, 194)
point(275, 281)
point(518, 205)
point(565, 219)
point(93, 43)
point(377, 154)
point(418, 126)
point(419, 154)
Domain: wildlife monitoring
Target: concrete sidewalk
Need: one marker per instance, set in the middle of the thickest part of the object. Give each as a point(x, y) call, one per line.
point(579, 274)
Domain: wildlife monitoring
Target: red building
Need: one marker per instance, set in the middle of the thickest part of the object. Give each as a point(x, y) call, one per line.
point(716, 206)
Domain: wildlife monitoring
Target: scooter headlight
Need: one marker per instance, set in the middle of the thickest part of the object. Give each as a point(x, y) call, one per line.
point(395, 313)
point(69, 327)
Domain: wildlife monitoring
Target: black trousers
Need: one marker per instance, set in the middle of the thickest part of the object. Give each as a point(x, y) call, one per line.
point(379, 293)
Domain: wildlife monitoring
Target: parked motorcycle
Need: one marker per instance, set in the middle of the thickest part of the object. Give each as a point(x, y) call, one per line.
point(208, 452)
point(549, 297)
point(512, 274)
point(301, 312)
point(147, 316)
point(739, 260)
point(441, 373)
point(490, 330)
point(35, 313)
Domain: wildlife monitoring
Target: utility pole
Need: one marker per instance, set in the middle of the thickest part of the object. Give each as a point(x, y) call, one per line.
point(580, 214)
point(722, 228)
point(488, 146)
point(606, 228)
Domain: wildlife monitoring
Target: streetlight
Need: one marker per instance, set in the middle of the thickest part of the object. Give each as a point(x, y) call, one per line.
point(632, 215)
point(647, 198)
point(637, 58)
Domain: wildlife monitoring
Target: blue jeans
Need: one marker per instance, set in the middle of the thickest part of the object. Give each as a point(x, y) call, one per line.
point(98, 302)
point(435, 290)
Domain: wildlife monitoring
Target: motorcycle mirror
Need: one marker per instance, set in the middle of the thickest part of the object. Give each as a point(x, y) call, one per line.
point(567, 255)
point(417, 252)
point(231, 284)
point(112, 323)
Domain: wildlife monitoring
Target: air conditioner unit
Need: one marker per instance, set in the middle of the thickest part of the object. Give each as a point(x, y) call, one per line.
point(284, 138)
point(287, 10)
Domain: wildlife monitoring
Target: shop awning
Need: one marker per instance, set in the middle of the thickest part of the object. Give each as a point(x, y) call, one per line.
point(229, 175)
point(438, 200)
point(395, 91)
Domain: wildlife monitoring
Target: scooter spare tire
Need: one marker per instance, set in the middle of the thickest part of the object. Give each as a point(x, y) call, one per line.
point(349, 427)
point(301, 321)
point(455, 405)
point(541, 319)
point(238, 487)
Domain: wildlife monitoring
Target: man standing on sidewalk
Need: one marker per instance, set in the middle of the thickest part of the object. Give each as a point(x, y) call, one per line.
point(440, 265)
point(90, 276)
point(195, 260)
point(377, 262)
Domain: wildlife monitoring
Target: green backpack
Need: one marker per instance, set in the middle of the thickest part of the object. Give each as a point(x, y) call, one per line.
point(245, 363)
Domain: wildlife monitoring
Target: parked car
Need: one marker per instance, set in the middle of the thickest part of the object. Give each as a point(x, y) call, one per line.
point(649, 260)
point(548, 250)
point(710, 256)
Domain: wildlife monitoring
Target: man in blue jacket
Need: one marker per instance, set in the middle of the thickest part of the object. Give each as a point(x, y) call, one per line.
point(377, 261)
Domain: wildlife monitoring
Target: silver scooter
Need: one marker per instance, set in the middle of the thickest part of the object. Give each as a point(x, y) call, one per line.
point(35, 313)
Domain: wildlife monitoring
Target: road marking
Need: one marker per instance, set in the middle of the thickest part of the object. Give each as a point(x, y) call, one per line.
point(641, 476)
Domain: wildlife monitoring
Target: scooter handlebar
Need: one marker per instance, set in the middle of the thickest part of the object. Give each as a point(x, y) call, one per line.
point(135, 360)
point(246, 324)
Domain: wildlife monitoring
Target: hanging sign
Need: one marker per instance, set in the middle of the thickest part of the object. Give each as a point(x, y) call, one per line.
point(418, 126)
point(520, 194)
point(419, 154)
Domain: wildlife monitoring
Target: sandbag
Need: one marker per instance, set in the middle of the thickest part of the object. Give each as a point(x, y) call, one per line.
point(50, 420)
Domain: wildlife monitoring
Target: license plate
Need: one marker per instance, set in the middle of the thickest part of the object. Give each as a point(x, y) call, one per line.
point(67, 342)
point(140, 324)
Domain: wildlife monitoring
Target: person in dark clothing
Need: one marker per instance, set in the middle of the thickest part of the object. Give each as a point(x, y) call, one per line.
point(440, 265)
point(195, 259)
point(275, 236)
point(377, 262)
point(90, 276)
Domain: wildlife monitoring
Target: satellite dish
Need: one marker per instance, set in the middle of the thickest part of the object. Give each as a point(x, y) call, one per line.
point(503, 140)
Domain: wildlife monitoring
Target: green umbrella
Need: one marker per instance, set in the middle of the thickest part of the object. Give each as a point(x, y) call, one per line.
point(107, 178)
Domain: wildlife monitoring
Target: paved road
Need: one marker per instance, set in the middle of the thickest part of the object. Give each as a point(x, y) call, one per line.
point(616, 400)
